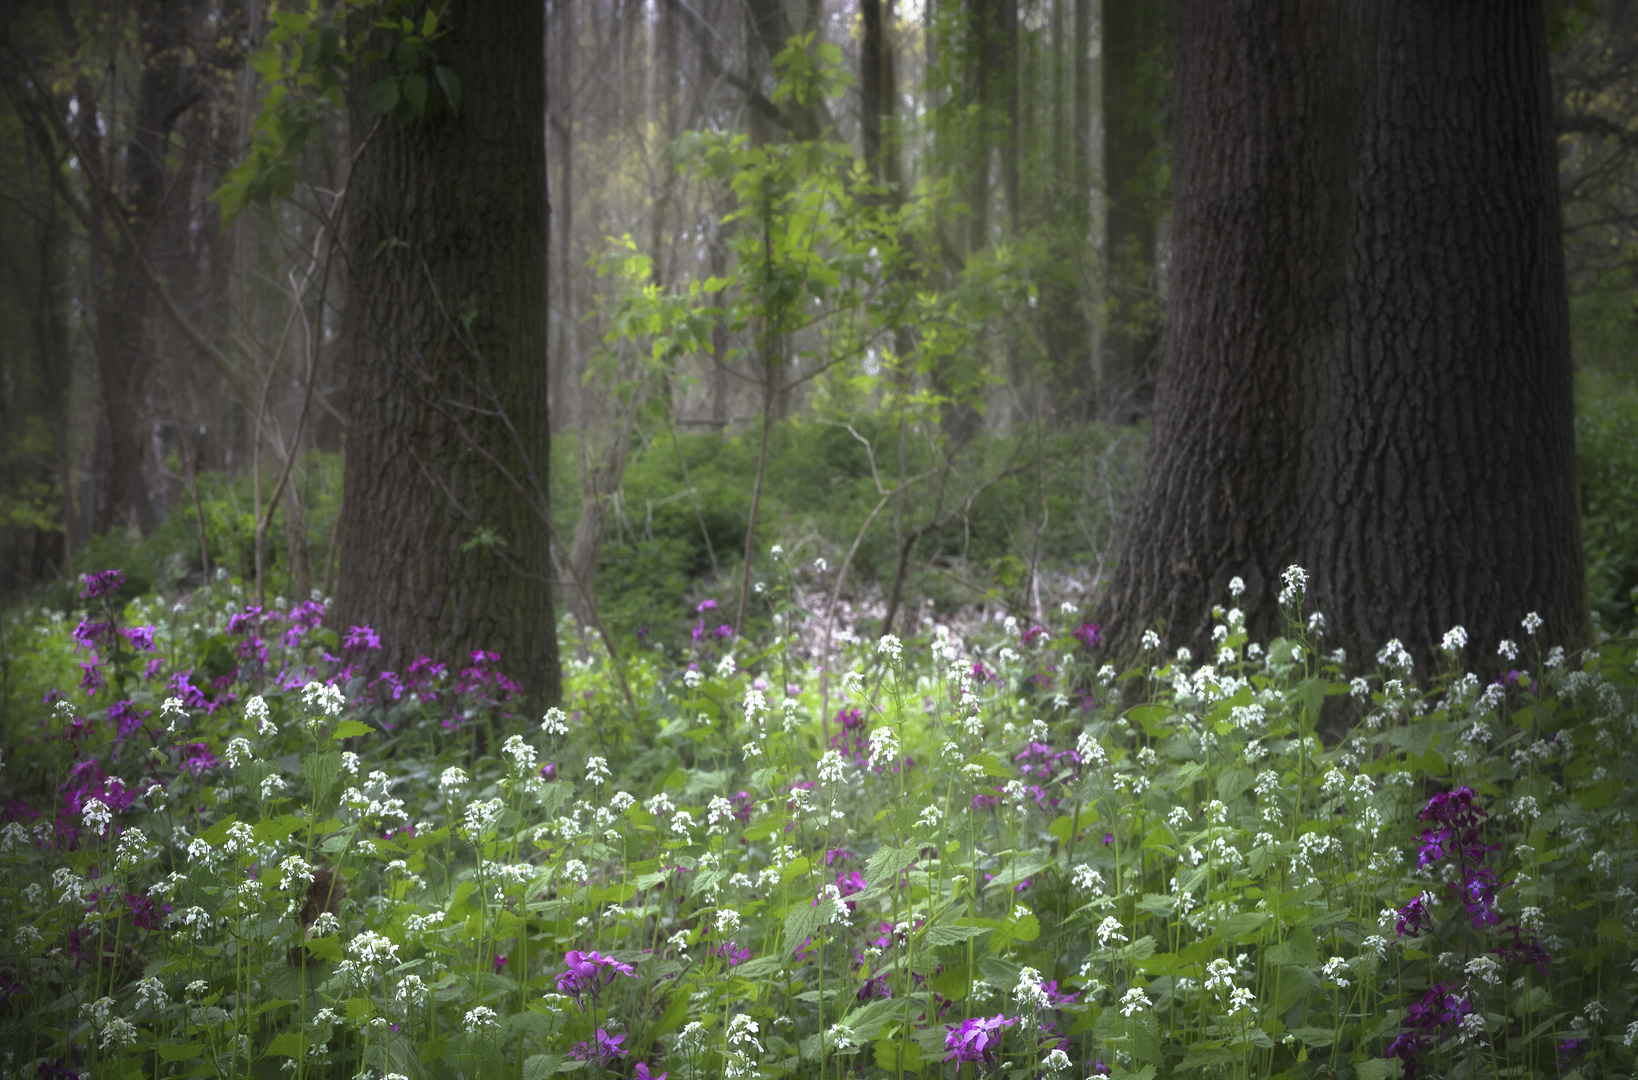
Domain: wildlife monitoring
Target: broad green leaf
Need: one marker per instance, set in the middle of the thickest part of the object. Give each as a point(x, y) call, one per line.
point(951, 935)
point(348, 729)
point(887, 864)
point(383, 96)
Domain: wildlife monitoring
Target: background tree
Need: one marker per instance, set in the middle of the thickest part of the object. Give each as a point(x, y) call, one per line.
point(445, 527)
point(1368, 367)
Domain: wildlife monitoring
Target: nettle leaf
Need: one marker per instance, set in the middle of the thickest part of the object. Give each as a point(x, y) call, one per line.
point(349, 729)
point(887, 864)
point(321, 770)
point(801, 923)
point(952, 935)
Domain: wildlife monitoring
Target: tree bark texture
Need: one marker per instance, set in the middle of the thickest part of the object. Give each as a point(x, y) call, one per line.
point(1133, 33)
point(447, 375)
point(1368, 367)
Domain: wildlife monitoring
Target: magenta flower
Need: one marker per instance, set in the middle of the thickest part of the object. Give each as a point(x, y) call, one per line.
point(588, 973)
point(102, 583)
point(705, 605)
point(500, 962)
point(643, 1073)
point(608, 1048)
point(1088, 634)
point(1414, 918)
point(976, 1040)
point(362, 637)
point(140, 637)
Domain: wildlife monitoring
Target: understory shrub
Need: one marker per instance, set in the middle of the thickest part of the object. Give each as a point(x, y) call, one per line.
point(234, 847)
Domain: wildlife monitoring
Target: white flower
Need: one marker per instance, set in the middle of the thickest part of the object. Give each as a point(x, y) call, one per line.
point(1087, 879)
point(831, 768)
point(1334, 969)
point(597, 771)
point(480, 1019)
point(742, 1031)
point(890, 647)
point(622, 801)
point(272, 784)
point(96, 815)
point(1455, 639)
point(821, 565)
point(1507, 650)
point(1030, 993)
point(118, 1033)
point(842, 1037)
point(1236, 586)
point(1485, 969)
point(681, 822)
point(1134, 1001)
point(555, 722)
point(1110, 930)
point(524, 758)
point(1532, 623)
point(173, 709)
point(1184, 655)
point(1150, 641)
point(237, 753)
point(294, 870)
point(1240, 1001)
point(1057, 1061)
point(325, 698)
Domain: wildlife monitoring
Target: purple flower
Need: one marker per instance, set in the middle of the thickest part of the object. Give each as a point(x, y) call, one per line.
point(588, 973)
point(975, 1040)
point(362, 637)
point(500, 962)
point(1414, 918)
point(1099, 1068)
point(140, 637)
point(1569, 1050)
point(643, 1073)
point(1088, 634)
point(724, 632)
point(705, 605)
point(198, 758)
point(1108, 838)
point(1479, 895)
point(732, 953)
point(1524, 951)
point(88, 633)
point(848, 884)
point(102, 583)
point(243, 621)
point(1033, 633)
point(608, 1048)
point(91, 677)
point(125, 717)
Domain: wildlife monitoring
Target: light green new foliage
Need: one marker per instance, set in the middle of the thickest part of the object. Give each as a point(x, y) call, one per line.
point(328, 881)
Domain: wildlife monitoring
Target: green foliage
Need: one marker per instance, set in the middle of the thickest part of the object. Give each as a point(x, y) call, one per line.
point(1191, 884)
point(655, 563)
point(306, 63)
point(1607, 463)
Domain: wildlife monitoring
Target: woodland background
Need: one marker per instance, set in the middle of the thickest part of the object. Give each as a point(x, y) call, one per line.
point(175, 314)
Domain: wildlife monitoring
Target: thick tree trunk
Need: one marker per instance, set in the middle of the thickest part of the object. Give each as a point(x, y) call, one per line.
point(1368, 369)
point(1132, 37)
point(448, 436)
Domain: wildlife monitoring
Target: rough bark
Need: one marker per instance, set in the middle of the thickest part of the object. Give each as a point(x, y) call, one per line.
point(1368, 369)
point(448, 432)
point(1132, 37)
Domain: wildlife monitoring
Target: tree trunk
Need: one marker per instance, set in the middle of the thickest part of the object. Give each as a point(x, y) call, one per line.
point(448, 437)
point(1132, 37)
point(1368, 369)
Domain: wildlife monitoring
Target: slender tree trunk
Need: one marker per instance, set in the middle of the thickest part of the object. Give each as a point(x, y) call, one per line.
point(1368, 369)
point(448, 437)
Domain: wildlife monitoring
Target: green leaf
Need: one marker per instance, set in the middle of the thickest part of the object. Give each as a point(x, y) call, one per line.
point(173, 1052)
point(383, 97)
point(1314, 1036)
point(415, 93)
point(291, 1044)
point(801, 923)
point(451, 84)
point(321, 771)
point(887, 864)
point(348, 729)
point(951, 935)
